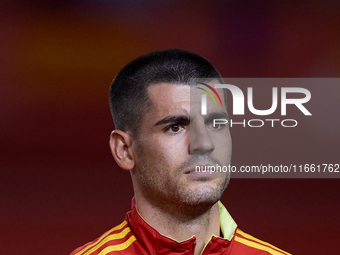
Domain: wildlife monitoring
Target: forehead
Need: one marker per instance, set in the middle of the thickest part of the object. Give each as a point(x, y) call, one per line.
point(163, 94)
point(179, 99)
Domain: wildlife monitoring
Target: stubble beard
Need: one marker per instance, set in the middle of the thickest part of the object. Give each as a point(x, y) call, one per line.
point(172, 195)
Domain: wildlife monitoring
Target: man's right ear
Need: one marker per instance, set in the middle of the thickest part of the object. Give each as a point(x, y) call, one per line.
point(120, 144)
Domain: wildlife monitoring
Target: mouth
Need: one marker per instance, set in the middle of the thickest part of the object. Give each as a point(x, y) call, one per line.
point(207, 170)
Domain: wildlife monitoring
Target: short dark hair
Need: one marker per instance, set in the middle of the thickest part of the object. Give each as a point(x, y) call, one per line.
point(128, 97)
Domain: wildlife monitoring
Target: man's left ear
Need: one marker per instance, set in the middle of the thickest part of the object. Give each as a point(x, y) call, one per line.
point(120, 144)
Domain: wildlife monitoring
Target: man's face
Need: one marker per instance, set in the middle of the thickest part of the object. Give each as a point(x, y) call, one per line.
point(174, 137)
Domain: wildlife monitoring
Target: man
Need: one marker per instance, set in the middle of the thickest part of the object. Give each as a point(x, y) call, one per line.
point(162, 138)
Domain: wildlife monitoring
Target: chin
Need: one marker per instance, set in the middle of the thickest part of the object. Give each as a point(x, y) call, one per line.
point(195, 206)
point(204, 194)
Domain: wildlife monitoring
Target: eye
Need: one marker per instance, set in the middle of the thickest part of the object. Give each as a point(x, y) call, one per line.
point(218, 126)
point(174, 129)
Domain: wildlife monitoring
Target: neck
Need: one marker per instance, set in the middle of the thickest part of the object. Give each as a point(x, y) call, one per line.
point(181, 227)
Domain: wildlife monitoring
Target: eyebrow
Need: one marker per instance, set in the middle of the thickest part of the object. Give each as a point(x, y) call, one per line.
point(173, 119)
point(216, 115)
point(186, 118)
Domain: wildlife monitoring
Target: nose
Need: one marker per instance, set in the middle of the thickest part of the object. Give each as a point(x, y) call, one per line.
point(200, 140)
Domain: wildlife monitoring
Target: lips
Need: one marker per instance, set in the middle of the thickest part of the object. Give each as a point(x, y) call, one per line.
point(200, 169)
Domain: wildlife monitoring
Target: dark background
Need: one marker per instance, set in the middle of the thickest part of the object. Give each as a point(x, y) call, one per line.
point(60, 186)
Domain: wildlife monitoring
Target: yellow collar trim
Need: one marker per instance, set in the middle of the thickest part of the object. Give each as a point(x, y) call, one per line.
point(228, 225)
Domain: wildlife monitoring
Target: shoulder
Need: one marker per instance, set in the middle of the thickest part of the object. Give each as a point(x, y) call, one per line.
point(247, 244)
point(115, 241)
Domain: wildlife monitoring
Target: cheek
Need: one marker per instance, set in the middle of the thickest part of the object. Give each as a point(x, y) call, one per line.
point(222, 139)
point(223, 145)
point(157, 153)
point(169, 147)
point(166, 153)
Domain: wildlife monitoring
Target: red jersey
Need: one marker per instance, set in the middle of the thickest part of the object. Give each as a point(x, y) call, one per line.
point(135, 236)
